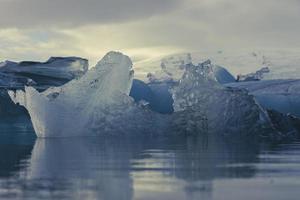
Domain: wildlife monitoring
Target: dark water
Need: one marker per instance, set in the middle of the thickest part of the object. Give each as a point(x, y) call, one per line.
point(143, 168)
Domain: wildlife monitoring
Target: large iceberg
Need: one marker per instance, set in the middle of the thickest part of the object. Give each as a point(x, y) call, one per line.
point(99, 103)
point(96, 103)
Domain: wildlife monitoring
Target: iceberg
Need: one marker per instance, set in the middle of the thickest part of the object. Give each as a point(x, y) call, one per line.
point(207, 104)
point(97, 103)
point(156, 94)
point(287, 124)
point(280, 95)
point(163, 79)
point(54, 67)
point(222, 75)
point(40, 75)
point(14, 81)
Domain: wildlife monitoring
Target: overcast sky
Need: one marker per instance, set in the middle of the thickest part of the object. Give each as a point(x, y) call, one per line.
point(37, 29)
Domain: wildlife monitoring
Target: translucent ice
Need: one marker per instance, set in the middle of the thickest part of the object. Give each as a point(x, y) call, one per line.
point(96, 102)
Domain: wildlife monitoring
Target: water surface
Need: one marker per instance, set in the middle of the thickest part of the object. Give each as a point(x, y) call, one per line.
point(144, 168)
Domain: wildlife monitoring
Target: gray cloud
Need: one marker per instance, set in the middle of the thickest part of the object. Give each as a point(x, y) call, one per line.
point(230, 24)
point(29, 13)
point(144, 28)
point(249, 16)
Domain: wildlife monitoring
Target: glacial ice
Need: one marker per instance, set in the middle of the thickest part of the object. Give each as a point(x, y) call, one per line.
point(99, 103)
point(40, 75)
point(256, 76)
point(222, 75)
point(173, 67)
point(156, 94)
point(55, 67)
point(168, 75)
point(14, 81)
point(283, 63)
point(229, 111)
point(280, 95)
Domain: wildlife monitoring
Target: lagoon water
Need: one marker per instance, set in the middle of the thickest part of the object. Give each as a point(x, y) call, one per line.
point(123, 168)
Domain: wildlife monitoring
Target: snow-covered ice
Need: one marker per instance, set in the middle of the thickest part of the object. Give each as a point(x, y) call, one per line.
point(283, 64)
point(173, 67)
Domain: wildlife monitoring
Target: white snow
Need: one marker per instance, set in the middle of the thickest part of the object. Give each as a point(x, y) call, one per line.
point(173, 67)
point(283, 64)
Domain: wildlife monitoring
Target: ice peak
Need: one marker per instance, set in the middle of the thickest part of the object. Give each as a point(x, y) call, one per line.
point(113, 57)
point(203, 73)
point(115, 71)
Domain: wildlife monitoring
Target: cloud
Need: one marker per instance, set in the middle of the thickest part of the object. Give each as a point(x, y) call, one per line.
point(29, 13)
point(144, 28)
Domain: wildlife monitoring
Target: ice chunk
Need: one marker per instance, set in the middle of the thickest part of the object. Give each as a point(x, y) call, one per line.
point(229, 111)
point(162, 101)
point(90, 105)
point(55, 67)
point(280, 95)
point(141, 91)
point(10, 81)
point(257, 76)
point(222, 75)
point(288, 125)
point(173, 68)
point(55, 72)
point(157, 95)
point(8, 108)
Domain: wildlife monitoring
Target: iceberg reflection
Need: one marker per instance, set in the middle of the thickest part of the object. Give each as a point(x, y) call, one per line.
point(134, 168)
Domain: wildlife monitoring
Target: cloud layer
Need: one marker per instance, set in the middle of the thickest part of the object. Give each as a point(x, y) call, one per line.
point(28, 13)
point(37, 29)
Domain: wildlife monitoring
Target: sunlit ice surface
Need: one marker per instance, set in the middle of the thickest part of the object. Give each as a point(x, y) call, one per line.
point(147, 168)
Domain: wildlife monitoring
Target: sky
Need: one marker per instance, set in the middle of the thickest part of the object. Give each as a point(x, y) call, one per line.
point(38, 29)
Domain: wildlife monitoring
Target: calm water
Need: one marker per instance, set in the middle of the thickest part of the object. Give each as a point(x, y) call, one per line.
point(143, 168)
